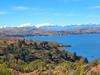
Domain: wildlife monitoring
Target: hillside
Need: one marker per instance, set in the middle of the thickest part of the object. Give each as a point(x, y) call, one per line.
point(49, 31)
point(25, 57)
point(28, 51)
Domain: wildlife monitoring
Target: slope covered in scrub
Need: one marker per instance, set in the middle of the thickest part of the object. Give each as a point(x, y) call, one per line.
point(20, 57)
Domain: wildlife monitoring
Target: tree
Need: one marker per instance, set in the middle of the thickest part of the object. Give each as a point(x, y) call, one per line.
point(75, 56)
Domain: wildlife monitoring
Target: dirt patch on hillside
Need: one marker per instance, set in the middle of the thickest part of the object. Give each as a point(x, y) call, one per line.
point(94, 71)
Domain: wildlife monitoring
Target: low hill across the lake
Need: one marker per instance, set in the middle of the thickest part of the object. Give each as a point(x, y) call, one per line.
point(48, 31)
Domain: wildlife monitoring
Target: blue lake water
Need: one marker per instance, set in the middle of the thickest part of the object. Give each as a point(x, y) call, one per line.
point(86, 45)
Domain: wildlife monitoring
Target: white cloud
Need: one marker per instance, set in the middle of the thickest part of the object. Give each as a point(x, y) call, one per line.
point(21, 8)
point(65, 14)
point(69, 0)
point(95, 7)
point(2, 12)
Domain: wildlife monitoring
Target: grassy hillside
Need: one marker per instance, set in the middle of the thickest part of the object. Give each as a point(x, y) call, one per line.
point(27, 57)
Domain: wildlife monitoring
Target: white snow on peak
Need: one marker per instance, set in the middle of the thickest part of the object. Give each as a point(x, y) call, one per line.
point(41, 25)
point(25, 25)
point(44, 24)
point(37, 25)
point(3, 26)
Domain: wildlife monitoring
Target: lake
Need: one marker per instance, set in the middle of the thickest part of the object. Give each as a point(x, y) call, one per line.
point(86, 45)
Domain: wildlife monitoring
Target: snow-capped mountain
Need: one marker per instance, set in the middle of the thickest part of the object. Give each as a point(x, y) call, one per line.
point(49, 30)
point(54, 27)
point(66, 27)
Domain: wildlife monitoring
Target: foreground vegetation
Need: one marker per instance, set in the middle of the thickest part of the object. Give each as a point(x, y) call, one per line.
point(19, 56)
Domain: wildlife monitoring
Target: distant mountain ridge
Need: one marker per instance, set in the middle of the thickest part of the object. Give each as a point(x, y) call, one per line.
point(49, 30)
point(47, 25)
point(64, 27)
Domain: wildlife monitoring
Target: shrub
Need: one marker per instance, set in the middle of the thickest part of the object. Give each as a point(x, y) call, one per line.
point(38, 64)
point(35, 65)
point(4, 70)
point(68, 65)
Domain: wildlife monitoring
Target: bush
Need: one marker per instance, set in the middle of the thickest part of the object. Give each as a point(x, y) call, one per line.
point(68, 65)
point(4, 70)
point(38, 64)
point(35, 65)
point(94, 63)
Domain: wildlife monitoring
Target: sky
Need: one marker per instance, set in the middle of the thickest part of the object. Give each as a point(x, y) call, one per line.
point(41, 12)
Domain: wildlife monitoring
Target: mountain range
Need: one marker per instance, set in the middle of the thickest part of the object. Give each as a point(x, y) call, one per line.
point(49, 30)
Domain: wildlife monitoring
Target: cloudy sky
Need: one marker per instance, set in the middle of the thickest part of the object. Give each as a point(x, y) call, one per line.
point(62, 12)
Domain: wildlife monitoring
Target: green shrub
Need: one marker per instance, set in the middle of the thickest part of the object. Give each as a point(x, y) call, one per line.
point(68, 65)
point(38, 64)
point(16, 65)
point(94, 63)
point(80, 71)
point(4, 70)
